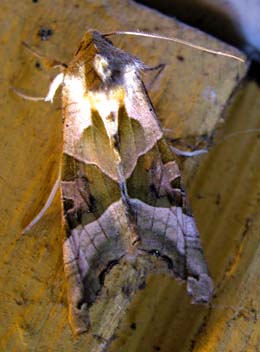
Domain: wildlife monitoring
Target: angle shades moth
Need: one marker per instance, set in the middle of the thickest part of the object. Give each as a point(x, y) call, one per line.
point(121, 186)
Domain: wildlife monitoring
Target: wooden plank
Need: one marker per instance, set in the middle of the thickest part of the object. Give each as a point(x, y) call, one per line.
point(189, 97)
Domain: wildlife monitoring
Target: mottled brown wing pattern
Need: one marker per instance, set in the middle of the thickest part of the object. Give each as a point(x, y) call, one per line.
point(121, 189)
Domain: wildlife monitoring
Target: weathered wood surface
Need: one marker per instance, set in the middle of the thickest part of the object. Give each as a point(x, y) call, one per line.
point(189, 97)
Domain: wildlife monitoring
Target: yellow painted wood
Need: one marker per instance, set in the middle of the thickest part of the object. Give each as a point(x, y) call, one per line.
point(189, 97)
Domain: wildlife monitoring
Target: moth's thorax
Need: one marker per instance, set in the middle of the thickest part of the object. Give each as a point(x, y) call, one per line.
point(104, 101)
point(97, 80)
point(100, 64)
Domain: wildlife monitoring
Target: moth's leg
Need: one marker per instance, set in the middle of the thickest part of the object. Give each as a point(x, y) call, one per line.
point(44, 208)
point(159, 68)
point(25, 96)
point(177, 151)
point(190, 146)
point(58, 80)
point(188, 154)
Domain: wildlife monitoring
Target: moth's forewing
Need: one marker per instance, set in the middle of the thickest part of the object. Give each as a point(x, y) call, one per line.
point(121, 189)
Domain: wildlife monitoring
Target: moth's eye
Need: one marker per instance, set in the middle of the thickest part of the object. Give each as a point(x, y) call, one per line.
point(101, 66)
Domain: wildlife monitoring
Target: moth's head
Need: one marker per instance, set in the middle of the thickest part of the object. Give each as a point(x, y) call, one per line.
point(102, 59)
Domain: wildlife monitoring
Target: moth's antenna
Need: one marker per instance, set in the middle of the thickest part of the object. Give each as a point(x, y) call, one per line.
point(48, 62)
point(176, 40)
point(236, 133)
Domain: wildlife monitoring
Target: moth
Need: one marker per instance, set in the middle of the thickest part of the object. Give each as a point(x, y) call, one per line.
point(121, 186)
